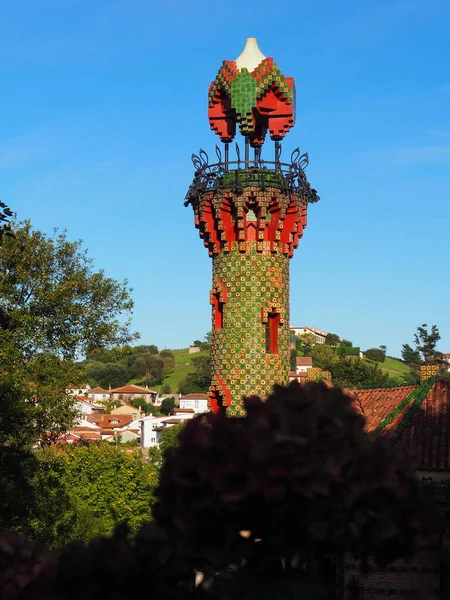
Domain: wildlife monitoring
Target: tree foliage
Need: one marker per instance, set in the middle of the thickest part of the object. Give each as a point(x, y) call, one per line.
point(425, 352)
point(323, 356)
point(305, 342)
point(200, 379)
point(167, 406)
point(347, 372)
point(376, 354)
point(86, 490)
point(332, 339)
point(149, 366)
point(426, 344)
point(108, 374)
point(52, 299)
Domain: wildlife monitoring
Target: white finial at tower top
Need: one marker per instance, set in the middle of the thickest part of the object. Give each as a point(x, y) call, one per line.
point(251, 56)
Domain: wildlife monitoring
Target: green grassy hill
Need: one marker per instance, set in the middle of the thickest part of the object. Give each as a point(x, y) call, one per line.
point(396, 368)
point(183, 366)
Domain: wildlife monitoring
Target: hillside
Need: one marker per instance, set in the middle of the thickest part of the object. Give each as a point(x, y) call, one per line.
point(396, 368)
point(183, 366)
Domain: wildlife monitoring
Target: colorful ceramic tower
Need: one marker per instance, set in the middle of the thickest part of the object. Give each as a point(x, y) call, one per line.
point(251, 214)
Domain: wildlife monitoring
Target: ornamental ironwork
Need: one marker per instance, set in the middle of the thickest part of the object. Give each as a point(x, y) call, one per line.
point(235, 175)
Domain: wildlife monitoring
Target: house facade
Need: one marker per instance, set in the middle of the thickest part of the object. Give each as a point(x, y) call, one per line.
point(127, 393)
point(317, 333)
point(196, 401)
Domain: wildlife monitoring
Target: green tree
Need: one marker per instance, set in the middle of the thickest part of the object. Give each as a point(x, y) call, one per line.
point(323, 356)
point(108, 374)
point(147, 407)
point(375, 354)
point(168, 358)
point(305, 342)
point(411, 357)
point(52, 299)
point(5, 221)
point(332, 340)
point(426, 344)
point(166, 389)
point(94, 487)
point(149, 366)
point(357, 373)
point(169, 439)
point(143, 349)
point(167, 406)
point(293, 360)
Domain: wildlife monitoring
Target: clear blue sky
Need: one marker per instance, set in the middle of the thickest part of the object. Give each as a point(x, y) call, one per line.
point(103, 102)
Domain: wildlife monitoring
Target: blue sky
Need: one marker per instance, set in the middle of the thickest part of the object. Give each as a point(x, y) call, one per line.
point(103, 102)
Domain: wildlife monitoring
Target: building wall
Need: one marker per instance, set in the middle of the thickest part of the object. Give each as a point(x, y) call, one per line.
point(199, 405)
point(255, 284)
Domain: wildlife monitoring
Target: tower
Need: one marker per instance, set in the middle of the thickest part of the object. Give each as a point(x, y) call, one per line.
point(250, 214)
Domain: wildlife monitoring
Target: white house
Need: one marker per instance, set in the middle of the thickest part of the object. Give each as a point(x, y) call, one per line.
point(302, 364)
point(85, 408)
point(196, 401)
point(317, 333)
point(98, 394)
point(152, 427)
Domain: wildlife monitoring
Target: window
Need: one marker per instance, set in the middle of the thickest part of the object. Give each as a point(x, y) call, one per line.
point(273, 321)
point(153, 440)
point(196, 404)
point(217, 311)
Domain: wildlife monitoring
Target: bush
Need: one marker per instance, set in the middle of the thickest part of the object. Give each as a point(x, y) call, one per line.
point(375, 354)
point(247, 508)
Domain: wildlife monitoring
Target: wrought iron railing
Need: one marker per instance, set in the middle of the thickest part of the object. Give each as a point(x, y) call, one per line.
point(244, 172)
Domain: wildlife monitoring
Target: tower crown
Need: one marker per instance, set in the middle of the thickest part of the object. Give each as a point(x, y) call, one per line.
point(252, 93)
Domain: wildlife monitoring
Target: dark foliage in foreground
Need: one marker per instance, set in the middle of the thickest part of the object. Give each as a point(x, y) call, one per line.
point(247, 508)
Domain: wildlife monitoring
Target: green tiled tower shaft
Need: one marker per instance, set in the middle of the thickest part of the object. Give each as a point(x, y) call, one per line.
point(255, 284)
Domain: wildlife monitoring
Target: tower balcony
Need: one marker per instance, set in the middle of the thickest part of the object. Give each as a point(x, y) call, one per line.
point(243, 172)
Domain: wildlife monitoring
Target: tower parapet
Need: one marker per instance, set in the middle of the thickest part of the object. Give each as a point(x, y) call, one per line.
point(251, 214)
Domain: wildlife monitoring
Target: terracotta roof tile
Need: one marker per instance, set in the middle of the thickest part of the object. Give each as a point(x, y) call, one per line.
point(304, 361)
point(131, 389)
point(98, 390)
point(427, 435)
point(422, 429)
point(109, 421)
point(377, 403)
point(197, 396)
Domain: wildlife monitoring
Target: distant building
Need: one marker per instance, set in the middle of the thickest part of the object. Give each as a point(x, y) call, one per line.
point(302, 364)
point(88, 408)
point(98, 394)
point(127, 409)
point(317, 333)
point(196, 401)
point(131, 392)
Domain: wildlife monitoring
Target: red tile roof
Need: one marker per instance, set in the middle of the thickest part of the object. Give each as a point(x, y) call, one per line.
point(427, 435)
point(377, 403)
point(98, 390)
point(183, 410)
point(194, 396)
point(423, 428)
point(303, 361)
point(131, 389)
point(109, 421)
